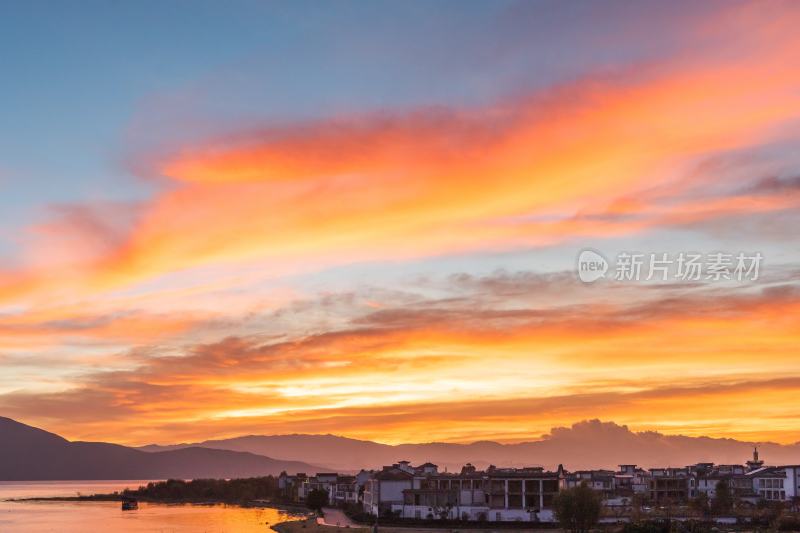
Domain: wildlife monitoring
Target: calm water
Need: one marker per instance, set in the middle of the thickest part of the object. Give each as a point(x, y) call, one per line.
point(69, 517)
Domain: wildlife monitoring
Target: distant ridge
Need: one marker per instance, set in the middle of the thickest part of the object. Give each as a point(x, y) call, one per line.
point(31, 454)
point(584, 445)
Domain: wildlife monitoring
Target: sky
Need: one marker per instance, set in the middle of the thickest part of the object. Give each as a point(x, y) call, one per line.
point(364, 218)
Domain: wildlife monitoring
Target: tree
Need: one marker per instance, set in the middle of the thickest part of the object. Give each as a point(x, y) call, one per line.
point(637, 506)
point(578, 509)
point(699, 504)
point(723, 498)
point(795, 504)
point(317, 499)
point(769, 512)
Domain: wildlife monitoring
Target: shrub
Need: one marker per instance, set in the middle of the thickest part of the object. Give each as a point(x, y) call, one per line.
point(578, 509)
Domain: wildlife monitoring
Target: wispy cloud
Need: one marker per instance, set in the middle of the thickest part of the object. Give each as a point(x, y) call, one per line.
point(196, 307)
point(398, 367)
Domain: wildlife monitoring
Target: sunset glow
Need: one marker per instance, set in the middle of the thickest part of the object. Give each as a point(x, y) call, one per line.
point(385, 247)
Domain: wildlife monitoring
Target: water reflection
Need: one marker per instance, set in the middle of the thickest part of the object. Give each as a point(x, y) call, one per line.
point(36, 517)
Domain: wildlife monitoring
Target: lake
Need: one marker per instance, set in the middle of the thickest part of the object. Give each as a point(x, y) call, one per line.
point(69, 517)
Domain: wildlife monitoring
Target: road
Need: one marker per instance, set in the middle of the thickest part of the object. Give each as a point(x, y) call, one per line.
point(336, 517)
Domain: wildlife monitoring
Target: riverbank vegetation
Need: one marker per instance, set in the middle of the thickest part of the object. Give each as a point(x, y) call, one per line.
point(255, 491)
point(219, 490)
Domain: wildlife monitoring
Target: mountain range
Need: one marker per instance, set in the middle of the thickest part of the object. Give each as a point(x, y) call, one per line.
point(584, 445)
point(28, 453)
point(31, 454)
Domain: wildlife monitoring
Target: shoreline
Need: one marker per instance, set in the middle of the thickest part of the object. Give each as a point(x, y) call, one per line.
point(310, 525)
point(302, 511)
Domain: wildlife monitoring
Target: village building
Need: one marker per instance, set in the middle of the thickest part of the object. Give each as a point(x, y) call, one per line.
point(384, 490)
point(669, 485)
point(496, 494)
point(526, 494)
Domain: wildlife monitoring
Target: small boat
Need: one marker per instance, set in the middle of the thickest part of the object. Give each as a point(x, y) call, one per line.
point(130, 505)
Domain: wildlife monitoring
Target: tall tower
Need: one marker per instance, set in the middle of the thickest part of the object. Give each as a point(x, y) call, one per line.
point(756, 463)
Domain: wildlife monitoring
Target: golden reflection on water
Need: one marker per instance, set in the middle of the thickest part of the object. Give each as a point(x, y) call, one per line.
point(86, 517)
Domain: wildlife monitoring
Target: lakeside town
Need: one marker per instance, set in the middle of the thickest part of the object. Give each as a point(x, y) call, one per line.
point(402, 492)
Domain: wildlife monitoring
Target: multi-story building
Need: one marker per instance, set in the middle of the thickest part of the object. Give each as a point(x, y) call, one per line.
point(497, 494)
point(343, 491)
point(522, 494)
point(340, 489)
point(770, 484)
point(792, 484)
point(526, 494)
point(601, 481)
point(322, 481)
point(292, 487)
point(383, 491)
point(630, 480)
point(705, 478)
point(669, 485)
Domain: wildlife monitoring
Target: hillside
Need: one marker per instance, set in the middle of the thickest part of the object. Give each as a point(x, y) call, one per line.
point(588, 444)
point(28, 453)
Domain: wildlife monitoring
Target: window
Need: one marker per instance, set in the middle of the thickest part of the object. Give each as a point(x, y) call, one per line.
point(515, 486)
point(497, 500)
point(550, 485)
point(531, 486)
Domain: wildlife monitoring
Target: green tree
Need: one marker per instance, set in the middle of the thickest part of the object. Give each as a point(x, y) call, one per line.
point(578, 509)
point(317, 499)
point(723, 498)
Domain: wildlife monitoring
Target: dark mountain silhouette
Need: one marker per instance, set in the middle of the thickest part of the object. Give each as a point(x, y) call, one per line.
point(29, 454)
point(587, 444)
point(343, 454)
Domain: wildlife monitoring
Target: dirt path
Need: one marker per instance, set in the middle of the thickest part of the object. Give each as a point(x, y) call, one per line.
point(336, 517)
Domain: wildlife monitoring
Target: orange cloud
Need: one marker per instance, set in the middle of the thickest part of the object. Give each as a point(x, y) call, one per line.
point(595, 157)
point(435, 181)
point(381, 184)
point(398, 369)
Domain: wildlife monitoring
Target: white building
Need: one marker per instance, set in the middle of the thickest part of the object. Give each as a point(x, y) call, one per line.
point(792, 485)
point(343, 491)
point(385, 489)
point(496, 495)
point(777, 483)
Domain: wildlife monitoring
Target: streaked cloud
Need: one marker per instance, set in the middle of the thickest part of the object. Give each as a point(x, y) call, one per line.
point(215, 304)
point(395, 369)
